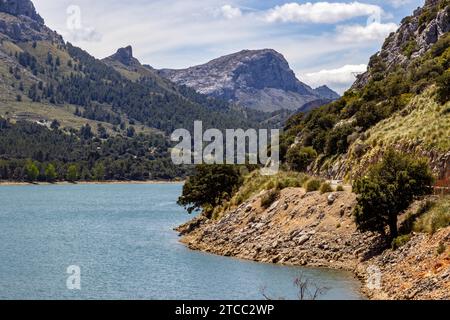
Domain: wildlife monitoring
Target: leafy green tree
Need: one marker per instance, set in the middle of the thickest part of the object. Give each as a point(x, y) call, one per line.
point(98, 172)
point(209, 186)
point(50, 173)
point(31, 171)
point(72, 173)
point(388, 189)
point(299, 158)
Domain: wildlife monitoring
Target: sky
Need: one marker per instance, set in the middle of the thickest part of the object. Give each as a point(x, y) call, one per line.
point(324, 42)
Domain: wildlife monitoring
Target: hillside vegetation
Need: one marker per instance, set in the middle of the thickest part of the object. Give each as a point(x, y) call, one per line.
point(403, 100)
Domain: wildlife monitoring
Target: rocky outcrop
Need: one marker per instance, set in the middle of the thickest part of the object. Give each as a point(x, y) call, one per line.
point(416, 34)
point(313, 229)
point(125, 56)
point(258, 79)
point(19, 21)
point(21, 8)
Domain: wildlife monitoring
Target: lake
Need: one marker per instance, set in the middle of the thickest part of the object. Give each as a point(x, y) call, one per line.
point(122, 239)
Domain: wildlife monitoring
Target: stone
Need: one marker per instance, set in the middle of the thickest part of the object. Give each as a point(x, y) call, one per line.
point(331, 198)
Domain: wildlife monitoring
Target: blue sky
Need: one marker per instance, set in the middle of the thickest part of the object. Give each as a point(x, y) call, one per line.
point(324, 42)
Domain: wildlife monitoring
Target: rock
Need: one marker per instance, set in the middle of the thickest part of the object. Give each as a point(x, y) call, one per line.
point(273, 206)
point(303, 239)
point(332, 198)
point(21, 8)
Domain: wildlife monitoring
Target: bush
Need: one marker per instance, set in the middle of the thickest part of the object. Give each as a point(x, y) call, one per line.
point(313, 185)
point(443, 91)
point(437, 217)
point(299, 158)
point(326, 188)
point(340, 188)
point(400, 241)
point(269, 198)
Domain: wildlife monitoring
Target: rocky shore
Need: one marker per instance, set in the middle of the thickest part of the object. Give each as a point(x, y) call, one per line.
point(313, 229)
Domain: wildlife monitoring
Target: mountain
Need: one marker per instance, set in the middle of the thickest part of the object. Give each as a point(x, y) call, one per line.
point(401, 102)
point(415, 36)
point(257, 79)
point(40, 72)
point(60, 106)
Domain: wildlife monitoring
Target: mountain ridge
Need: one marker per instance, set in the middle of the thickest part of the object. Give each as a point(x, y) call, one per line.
point(258, 79)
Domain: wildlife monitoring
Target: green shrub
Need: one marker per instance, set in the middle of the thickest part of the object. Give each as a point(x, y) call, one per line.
point(269, 198)
point(313, 185)
point(299, 158)
point(340, 188)
point(443, 91)
point(437, 217)
point(400, 241)
point(326, 188)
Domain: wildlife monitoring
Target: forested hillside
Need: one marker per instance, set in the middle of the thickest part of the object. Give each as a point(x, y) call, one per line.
point(32, 152)
point(407, 83)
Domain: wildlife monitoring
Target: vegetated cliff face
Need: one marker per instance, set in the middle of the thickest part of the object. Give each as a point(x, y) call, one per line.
point(396, 103)
point(19, 21)
point(20, 8)
point(416, 34)
point(313, 229)
point(259, 79)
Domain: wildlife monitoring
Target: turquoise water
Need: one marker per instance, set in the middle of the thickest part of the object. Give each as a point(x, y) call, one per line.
point(121, 237)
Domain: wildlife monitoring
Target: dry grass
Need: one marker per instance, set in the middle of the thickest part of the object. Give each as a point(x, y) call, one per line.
point(423, 122)
point(437, 217)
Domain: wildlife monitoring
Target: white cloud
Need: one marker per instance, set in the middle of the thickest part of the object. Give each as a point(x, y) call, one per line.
point(339, 79)
point(360, 33)
point(399, 3)
point(84, 34)
point(230, 12)
point(321, 12)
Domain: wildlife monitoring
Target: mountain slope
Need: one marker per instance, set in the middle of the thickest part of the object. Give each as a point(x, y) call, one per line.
point(39, 67)
point(401, 102)
point(258, 79)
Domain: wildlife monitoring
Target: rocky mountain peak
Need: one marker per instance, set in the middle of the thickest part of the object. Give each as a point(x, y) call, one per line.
point(259, 79)
point(125, 56)
point(20, 8)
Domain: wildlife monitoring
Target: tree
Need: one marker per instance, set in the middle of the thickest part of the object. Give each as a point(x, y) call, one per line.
point(55, 125)
point(209, 186)
point(102, 133)
point(31, 171)
point(86, 132)
point(72, 173)
point(299, 158)
point(131, 132)
point(99, 172)
point(388, 189)
point(50, 173)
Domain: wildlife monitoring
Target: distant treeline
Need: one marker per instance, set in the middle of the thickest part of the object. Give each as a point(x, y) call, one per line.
point(32, 152)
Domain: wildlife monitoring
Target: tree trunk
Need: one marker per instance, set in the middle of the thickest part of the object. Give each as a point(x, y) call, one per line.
point(393, 231)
